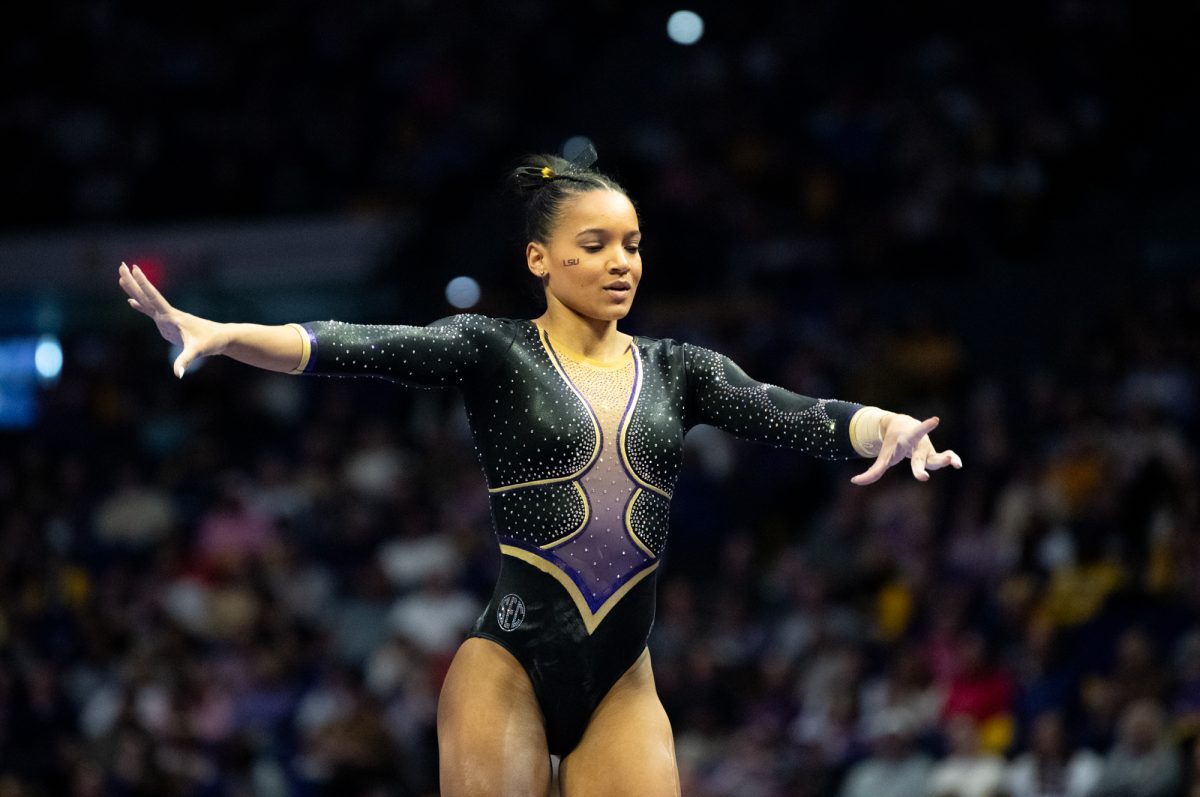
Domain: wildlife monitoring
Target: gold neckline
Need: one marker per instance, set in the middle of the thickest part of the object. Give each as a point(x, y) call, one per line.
point(623, 360)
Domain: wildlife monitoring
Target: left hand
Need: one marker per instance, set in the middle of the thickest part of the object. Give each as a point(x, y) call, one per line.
point(905, 436)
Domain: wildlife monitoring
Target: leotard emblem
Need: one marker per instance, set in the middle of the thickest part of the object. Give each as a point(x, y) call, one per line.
point(511, 612)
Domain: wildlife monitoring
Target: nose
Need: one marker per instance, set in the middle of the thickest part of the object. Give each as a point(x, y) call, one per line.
point(620, 262)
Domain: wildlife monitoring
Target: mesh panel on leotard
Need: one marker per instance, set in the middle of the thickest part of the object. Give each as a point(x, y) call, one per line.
point(604, 554)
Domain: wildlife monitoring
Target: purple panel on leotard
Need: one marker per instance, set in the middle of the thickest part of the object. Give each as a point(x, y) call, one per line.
point(603, 556)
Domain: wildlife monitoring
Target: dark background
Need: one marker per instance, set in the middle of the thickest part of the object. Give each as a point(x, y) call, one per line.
point(252, 584)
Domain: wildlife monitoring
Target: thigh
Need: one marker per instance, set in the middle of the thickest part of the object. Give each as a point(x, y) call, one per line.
point(628, 748)
point(491, 734)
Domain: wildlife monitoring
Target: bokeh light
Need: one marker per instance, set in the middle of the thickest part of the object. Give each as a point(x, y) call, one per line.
point(48, 358)
point(462, 292)
point(685, 27)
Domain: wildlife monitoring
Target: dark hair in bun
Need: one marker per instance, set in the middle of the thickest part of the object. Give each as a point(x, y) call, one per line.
point(546, 182)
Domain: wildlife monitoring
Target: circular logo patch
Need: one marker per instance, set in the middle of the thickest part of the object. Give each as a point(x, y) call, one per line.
point(511, 612)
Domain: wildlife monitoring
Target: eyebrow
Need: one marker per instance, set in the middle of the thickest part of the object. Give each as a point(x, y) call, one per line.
point(603, 231)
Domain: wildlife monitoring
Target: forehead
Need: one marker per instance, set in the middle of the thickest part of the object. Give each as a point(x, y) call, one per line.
point(607, 210)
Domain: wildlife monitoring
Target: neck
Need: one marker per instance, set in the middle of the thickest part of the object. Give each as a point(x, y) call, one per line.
point(592, 337)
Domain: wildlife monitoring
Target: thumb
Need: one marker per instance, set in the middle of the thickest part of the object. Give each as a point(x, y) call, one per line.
point(183, 361)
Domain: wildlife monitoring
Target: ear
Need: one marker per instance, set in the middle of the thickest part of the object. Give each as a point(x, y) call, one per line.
point(536, 258)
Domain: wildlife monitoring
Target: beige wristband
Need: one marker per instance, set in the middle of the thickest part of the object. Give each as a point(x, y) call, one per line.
point(866, 434)
point(305, 350)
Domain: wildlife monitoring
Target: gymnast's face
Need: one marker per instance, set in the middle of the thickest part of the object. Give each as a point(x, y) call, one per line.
point(592, 263)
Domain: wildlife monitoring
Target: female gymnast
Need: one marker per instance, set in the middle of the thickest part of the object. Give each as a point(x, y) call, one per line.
point(579, 428)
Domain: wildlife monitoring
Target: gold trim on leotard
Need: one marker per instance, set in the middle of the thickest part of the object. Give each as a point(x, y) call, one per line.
point(590, 620)
point(587, 408)
point(587, 511)
point(637, 389)
point(629, 524)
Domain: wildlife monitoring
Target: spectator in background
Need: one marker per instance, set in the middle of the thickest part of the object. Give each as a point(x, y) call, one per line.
point(967, 771)
point(136, 515)
point(1049, 768)
point(1041, 680)
point(1079, 587)
point(895, 767)
point(351, 751)
point(1139, 672)
point(437, 616)
point(983, 691)
point(905, 690)
point(1143, 763)
point(828, 733)
point(232, 531)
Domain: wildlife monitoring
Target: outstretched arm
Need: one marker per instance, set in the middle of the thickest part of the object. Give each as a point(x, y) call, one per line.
point(274, 348)
point(721, 394)
point(449, 352)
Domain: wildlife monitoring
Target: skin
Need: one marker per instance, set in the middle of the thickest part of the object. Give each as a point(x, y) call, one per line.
point(491, 732)
point(595, 243)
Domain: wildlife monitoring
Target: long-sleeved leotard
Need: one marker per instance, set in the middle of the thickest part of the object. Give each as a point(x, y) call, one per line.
point(580, 461)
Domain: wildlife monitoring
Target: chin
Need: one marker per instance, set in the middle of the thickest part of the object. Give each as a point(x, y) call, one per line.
point(604, 312)
point(618, 312)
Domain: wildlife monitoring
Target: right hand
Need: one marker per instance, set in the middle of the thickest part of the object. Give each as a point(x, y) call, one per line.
point(199, 337)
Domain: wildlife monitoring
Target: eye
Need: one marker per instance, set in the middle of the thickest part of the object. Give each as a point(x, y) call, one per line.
point(633, 248)
point(593, 248)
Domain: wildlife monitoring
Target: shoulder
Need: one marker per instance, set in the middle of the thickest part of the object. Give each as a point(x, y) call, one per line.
point(695, 362)
point(481, 328)
point(665, 352)
point(662, 347)
point(474, 322)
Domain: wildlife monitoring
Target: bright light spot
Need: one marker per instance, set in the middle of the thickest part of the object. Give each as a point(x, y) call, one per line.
point(462, 292)
point(574, 146)
point(48, 358)
point(685, 27)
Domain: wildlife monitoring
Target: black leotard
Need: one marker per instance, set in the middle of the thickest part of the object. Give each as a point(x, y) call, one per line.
point(575, 599)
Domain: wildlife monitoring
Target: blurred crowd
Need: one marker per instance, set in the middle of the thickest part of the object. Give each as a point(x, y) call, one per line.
point(251, 584)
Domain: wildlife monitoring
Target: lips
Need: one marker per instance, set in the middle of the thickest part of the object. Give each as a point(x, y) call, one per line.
point(617, 286)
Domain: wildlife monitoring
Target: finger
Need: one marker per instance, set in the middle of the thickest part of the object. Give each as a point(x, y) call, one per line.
point(136, 305)
point(135, 295)
point(131, 287)
point(149, 294)
point(153, 298)
point(924, 428)
point(918, 460)
point(940, 459)
point(877, 469)
point(125, 278)
point(870, 475)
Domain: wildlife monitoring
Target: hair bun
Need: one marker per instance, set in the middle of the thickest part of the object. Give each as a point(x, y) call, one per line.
point(542, 170)
point(585, 159)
